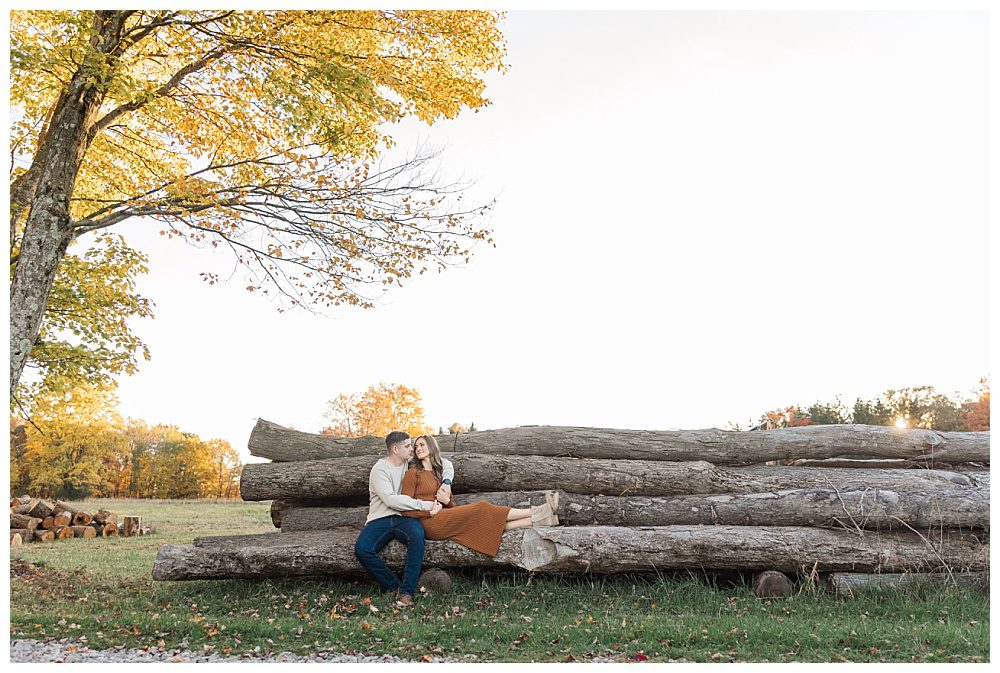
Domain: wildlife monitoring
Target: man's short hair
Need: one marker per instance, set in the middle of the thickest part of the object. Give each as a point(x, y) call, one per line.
point(394, 437)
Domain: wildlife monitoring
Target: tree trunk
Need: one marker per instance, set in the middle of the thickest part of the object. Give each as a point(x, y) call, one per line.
point(849, 584)
point(104, 516)
point(43, 535)
point(49, 523)
point(348, 477)
point(48, 229)
point(61, 506)
point(26, 507)
point(587, 549)
point(130, 526)
point(24, 521)
point(63, 533)
point(61, 519)
point(83, 531)
point(25, 534)
point(82, 519)
point(270, 440)
point(875, 509)
point(16, 540)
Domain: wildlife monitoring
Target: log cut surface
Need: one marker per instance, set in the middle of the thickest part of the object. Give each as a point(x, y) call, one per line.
point(599, 549)
point(722, 447)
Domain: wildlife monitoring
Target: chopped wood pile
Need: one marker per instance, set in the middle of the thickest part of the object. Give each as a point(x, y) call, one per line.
point(35, 520)
point(636, 500)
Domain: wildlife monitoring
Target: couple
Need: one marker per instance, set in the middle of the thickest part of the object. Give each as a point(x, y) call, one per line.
point(410, 500)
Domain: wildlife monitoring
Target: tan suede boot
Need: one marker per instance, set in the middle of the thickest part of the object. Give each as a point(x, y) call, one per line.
point(541, 515)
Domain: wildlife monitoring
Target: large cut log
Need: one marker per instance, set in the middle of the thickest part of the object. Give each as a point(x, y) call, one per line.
point(16, 540)
point(588, 549)
point(82, 519)
point(25, 534)
point(24, 521)
point(130, 526)
point(270, 440)
point(346, 477)
point(104, 516)
point(876, 509)
point(61, 506)
point(40, 509)
point(83, 531)
point(63, 533)
point(849, 584)
point(41, 535)
point(27, 507)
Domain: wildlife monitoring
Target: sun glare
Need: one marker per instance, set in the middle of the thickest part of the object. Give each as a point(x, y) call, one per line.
point(900, 422)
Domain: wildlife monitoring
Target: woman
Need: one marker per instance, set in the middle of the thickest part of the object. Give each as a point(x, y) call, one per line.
point(478, 526)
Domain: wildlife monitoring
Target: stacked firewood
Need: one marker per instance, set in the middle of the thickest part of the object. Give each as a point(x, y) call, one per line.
point(636, 500)
point(35, 520)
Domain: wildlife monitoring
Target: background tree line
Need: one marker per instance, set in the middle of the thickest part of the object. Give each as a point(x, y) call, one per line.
point(77, 446)
point(919, 407)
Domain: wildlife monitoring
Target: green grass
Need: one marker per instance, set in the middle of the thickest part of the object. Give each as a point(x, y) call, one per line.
point(101, 590)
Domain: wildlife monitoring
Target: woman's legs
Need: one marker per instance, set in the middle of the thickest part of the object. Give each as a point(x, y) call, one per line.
point(518, 523)
point(516, 514)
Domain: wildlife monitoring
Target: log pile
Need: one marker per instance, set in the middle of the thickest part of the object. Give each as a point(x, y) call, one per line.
point(35, 520)
point(636, 500)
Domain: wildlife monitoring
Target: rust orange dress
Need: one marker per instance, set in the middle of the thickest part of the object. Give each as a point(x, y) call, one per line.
point(478, 526)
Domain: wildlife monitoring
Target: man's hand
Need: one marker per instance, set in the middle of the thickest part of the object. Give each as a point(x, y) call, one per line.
point(435, 508)
point(444, 494)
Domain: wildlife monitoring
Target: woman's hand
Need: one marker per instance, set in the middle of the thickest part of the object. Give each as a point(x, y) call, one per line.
point(444, 494)
point(435, 508)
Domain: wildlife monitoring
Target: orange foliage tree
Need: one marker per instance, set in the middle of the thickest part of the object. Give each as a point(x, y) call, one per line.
point(976, 415)
point(377, 412)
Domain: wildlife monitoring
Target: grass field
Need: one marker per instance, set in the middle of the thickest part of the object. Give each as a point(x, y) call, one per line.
point(99, 591)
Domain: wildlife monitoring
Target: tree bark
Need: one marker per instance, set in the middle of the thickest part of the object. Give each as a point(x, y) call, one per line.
point(26, 535)
point(348, 477)
point(874, 509)
point(24, 521)
point(130, 526)
point(849, 584)
point(83, 531)
point(48, 229)
point(588, 549)
point(43, 535)
point(270, 440)
point(27, 507)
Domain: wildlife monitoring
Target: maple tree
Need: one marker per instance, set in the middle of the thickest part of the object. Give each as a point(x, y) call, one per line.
point(377, 412)
point(253, 130)
point(84, 337)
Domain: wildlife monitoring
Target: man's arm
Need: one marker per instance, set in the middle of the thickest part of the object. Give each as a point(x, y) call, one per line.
point(447, 474)
point(381, 485)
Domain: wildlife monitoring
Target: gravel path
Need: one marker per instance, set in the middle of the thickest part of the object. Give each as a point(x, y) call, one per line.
point(59, 651)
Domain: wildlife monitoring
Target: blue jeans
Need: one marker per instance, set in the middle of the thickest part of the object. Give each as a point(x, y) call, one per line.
point(376, 535)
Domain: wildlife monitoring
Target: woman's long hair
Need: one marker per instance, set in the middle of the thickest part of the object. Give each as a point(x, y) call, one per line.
point(437, 466)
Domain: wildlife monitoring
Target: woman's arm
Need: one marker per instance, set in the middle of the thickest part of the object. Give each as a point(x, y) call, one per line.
point(409, 489)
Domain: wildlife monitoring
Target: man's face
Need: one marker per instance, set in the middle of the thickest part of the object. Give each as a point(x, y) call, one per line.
point(404, 449)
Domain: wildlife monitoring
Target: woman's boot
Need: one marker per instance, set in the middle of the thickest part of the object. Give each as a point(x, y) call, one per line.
point(541, 515)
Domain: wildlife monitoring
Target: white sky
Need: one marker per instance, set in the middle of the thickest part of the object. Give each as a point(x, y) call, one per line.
point(701, 216)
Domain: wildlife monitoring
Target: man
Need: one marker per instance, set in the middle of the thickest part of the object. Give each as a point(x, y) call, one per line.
point(384, 522)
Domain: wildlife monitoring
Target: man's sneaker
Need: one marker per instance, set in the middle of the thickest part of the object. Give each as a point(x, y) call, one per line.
point(404, 601)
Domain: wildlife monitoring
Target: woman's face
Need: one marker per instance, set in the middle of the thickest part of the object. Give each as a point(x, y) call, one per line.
point(420, 449)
